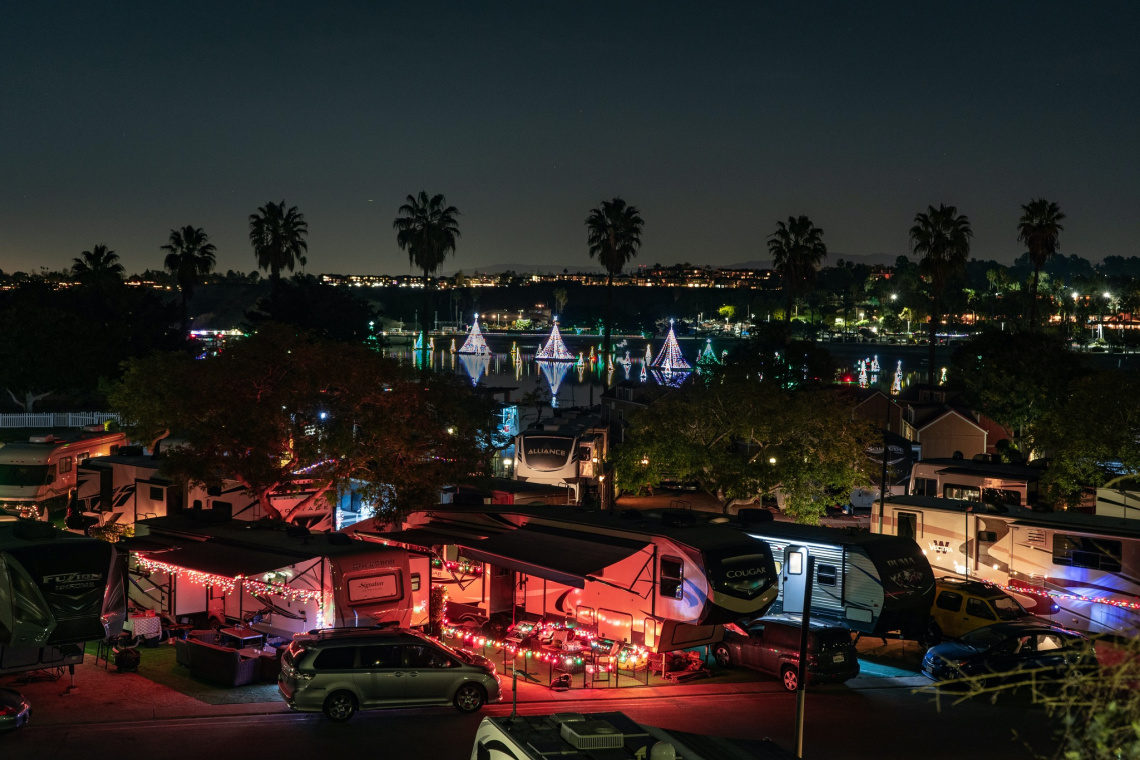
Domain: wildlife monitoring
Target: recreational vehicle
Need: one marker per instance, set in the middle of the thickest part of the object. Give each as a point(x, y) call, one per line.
point(44, 467)
point(57, 592)
point(564, 451)
point(980, 481)
point(867, 582)
point(660, 580)
point(281, 579)
point(608, 734)
point(1080, 571)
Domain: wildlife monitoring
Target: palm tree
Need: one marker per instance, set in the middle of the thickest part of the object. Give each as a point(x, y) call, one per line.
point(97, 265)
point(797, 250)
point(189, 256)
point(941, 236)
point(613, 232)
point(427, 229)
point(1039, 229)
point(278, 235)
point(561, 297)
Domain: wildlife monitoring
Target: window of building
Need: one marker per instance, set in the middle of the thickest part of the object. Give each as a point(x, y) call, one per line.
point(826, 575)
point(978, 608)
point(961, 492)
point(948, 600)
point(65, 464)
point(336, 658)
point(157, 493)
point(672, 581)
point(1087, 551)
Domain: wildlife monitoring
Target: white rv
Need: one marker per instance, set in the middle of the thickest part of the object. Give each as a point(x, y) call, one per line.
point(609, 735)
point(980, 481)
point(660, 580)
point(281, 579)
point(563, 451)
point(44, 467)
point(1081, 571)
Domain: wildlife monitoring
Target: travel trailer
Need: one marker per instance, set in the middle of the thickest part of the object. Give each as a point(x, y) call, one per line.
point(1078, 570)
point(34, 472)
point(867, 582)
point(660, 580)
point(980, 481)
point(57, 592)
point(609, 735)
point(279, 578)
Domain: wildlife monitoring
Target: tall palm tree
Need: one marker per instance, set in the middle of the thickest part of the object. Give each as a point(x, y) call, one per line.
point(427, 229)
point(797, 250)
point(613, 233)
point(277, 235)
point(97, 265)
point(941, 236)
point(1039, 229)
point(189, 256)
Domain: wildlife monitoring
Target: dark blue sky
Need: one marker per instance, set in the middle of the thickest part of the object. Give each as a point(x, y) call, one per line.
point(119, 122)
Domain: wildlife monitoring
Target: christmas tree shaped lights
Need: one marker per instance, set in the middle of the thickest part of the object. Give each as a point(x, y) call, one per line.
point(554, 350)
point(670, 359)
point(475, 343)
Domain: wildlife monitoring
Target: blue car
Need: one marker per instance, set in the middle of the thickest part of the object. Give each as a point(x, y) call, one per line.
point(1009, 652)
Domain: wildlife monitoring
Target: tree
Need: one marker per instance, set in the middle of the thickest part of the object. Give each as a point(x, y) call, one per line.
point(941, 237)
point(561, 297)
point(282, 401)
point(277, 235)
point(99, 265)
point(746, 431)
point(1039, 229)
point(189, 257)
point(613, 234)
point(797, 250)
point(427, 229)
point(324, 310)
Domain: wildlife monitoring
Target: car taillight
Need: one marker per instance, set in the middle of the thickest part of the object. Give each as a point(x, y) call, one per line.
point(7, 710)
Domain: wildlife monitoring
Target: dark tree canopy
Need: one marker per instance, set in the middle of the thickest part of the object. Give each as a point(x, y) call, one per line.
point(277, 235)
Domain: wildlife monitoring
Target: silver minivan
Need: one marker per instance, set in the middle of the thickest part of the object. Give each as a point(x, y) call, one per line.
point(340, 671)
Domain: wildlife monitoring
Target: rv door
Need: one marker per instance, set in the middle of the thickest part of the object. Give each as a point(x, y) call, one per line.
point(794, 578)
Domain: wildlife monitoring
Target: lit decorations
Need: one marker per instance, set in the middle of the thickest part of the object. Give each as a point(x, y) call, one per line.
point(1122, 604)
point(555, 373)
point(419, 344)
point(896, 386)
point(475, 344)
point(229, 585)
point(554, 350)
point(670, 359)
point(630, 656)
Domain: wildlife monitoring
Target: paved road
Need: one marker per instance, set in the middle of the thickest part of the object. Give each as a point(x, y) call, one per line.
point(880, 723)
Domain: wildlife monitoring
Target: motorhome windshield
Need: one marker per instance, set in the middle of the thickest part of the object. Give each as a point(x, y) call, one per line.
point(23, 474)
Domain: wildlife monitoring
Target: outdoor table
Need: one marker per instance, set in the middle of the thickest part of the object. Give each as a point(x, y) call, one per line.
point(145, 626)
point(242, 635)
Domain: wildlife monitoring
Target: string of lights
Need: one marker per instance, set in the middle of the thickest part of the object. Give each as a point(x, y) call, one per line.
point(1121, 603)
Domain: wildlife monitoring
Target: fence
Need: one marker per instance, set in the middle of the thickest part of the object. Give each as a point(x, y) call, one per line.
point(55, 419)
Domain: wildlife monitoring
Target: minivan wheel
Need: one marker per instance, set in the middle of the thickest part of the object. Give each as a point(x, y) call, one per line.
point(789, 676)
point(340, 706)
point(470, 697)
point(722, 656)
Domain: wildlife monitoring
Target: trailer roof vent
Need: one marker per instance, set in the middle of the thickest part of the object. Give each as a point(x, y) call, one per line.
point(49, 438)
point(592, 734)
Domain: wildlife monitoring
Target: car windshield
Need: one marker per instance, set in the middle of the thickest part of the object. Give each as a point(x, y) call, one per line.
point(983, 638)
point(1009, 609)
point(23, 474)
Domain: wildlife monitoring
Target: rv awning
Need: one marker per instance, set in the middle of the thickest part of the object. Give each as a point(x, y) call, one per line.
point(225, 561)
point(558, 557)
point(425, 538)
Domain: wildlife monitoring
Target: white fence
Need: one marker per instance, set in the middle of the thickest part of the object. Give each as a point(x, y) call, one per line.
point(55, 419)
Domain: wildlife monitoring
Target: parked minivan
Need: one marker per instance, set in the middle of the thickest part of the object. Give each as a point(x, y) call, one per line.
point(340, 671)
point(772, 645)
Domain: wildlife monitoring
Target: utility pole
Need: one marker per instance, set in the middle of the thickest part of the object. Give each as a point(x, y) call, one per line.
point(802, 668)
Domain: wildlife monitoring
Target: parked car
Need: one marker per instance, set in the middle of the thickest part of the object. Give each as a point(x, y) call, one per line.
point(1008, 652)
point(772, 645)
point(340, 671)
point(963, 606)
point(14, 710)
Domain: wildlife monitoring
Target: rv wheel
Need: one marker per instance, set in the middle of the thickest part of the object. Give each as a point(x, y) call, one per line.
point(789, 676)
point(722, 656)
point(340, 706)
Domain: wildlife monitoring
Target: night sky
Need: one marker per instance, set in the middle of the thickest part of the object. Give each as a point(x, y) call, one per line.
point(119, 122)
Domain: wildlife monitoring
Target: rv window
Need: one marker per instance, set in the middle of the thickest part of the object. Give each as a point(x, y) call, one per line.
point(825, 575)
point(907, 525)
point(1001, 497)
point(672, 577)
point(51, 476)
point(962, 493)
point(415, 581)
point(978, 608)
point(925, 487)
point(584, 615)
point(82, 457)
point(23, 475)
point(65, 464)
point(1087, 551)
point(987, 536)
point(948, 600)
point(795, 562)
point(26, 600)
point(157, 493)
point(335, 658)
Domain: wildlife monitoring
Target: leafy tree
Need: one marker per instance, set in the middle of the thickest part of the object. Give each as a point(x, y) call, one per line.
point(1039, 229)
point(99, 265)
point(277, 235)
point(797, 250)
point(745, 432)
point(281, 401)
point(427, 229)
point(561, 297)
point(1015, 378)
point(941, 237)
point(189, 257)
point(613, 233)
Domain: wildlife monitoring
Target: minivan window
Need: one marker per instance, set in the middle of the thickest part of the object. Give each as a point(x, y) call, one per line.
point(380, 656)
point(424, 656)
point(335, 658)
